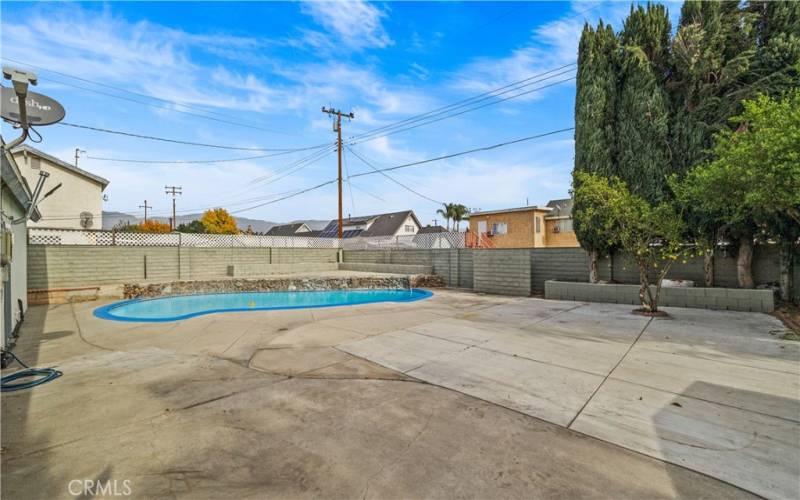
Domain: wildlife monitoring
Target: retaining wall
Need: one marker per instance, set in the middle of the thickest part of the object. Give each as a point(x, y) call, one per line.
point(705, 298)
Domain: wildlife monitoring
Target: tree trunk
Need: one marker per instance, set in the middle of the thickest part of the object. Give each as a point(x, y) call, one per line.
point(744, 262)
point(593, 266)
point(708, 267)
point(786, 273)
point(645, 297)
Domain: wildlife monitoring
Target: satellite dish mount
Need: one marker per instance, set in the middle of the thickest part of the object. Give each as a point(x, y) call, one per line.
point(25, 109)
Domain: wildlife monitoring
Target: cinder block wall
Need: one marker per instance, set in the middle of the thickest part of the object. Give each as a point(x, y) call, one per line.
point(74, 266)
point(563, 264)
point(502, 271)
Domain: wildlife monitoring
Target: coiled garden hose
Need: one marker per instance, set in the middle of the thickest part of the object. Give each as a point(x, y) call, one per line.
point(45, 375)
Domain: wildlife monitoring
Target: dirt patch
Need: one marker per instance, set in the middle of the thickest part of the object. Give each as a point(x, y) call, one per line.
point(789, 314)
point(650, 314)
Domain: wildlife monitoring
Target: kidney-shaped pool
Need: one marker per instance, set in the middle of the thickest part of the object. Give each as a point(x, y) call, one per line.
point(177, 307)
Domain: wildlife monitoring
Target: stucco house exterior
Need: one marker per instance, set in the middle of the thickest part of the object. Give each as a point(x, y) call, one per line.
point(78, 204)
point(15, 197)
point(548, 226)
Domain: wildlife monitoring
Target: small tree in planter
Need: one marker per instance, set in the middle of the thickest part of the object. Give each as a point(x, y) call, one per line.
point(595, 198)
point(654, 236)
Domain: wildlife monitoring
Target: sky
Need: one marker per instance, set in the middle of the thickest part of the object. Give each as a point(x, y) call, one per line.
point(255, 76)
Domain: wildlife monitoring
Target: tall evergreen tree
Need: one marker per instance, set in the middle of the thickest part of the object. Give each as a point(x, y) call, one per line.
point(595, 117)
point(642, 112)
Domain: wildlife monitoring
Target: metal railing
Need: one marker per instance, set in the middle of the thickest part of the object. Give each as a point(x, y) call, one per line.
point(53, 236)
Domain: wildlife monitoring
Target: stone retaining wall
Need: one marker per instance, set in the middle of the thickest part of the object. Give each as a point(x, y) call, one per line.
point(705, 298)
point(136, 290)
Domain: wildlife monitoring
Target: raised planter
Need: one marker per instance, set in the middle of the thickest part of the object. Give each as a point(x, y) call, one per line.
point(733, 299)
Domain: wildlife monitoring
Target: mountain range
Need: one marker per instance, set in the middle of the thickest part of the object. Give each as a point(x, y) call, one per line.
point(111, 219)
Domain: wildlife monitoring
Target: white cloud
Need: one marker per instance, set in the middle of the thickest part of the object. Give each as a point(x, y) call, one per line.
point(551, 45)
point(357, 24)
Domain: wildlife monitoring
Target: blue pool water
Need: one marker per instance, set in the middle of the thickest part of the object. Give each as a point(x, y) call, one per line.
point(186, 306)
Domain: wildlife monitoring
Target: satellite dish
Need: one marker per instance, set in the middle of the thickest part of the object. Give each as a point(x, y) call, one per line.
point(87, 219)
point(42, 110)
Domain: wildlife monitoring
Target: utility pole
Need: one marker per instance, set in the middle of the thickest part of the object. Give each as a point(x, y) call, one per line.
point(337, 127)
point(145, 206)
point(78, 152)
point(173, 190)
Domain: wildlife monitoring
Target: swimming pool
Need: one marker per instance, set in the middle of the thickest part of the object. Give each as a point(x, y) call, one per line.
point(179, 307)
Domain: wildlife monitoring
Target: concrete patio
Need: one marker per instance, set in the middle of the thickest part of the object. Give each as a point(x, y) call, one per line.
point(461, 395)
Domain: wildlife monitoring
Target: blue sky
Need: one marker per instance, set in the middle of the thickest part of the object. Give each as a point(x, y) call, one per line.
point(273, 65)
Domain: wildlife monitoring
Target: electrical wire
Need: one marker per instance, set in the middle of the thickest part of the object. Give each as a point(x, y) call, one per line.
point(406, 165)
point(187, 143)
point(349, 186)
point(436, 115)
point(462, 112)
point(179, 162)
point(114, 87)
point(370, 165)
point(462, 153)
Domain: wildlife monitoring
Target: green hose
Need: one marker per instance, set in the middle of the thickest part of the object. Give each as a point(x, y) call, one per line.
point(45, 375)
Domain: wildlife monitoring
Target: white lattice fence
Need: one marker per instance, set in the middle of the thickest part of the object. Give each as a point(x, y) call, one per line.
point(44, 236)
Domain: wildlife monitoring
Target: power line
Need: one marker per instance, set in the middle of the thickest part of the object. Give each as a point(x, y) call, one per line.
point(114, 87)
point(188, 143)
point(370, 165)
point(470, 101)
point(223, 160)
point(380, 170)
point(168, 108)
point(453, 155)
point(463, 111)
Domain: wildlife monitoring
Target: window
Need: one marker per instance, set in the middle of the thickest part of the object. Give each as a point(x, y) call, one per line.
point(538, 225)
point(500, 228)
point(409, 228)
point(481, 226)
point(562, 225)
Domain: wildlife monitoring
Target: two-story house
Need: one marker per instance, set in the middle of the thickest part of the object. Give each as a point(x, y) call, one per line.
point(548, 226)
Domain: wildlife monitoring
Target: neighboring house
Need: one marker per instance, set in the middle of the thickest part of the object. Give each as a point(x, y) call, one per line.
point(78, 204)
point(393, 224)
point(14, 202)
point(527, 227)
point(294, 229)
point(558, 224)
point(436, 237)
point(431, 229)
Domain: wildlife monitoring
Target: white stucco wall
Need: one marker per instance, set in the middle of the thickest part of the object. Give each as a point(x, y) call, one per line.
point(17, 271)
point(77, 194)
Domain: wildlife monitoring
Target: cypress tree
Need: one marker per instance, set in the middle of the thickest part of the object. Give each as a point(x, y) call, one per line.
point(643, 111)
point(594, 126)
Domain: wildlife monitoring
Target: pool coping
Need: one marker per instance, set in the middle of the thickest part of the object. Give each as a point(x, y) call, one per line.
point(104, 312)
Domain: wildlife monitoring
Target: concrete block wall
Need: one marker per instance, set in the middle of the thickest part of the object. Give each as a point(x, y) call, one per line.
point(72, 266)
point(502, 271)
point(704, 298)
point(563, 264)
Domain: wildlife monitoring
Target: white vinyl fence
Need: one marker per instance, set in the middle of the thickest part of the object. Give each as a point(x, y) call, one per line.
point(45, 236)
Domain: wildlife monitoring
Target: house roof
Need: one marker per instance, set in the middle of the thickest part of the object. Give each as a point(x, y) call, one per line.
point(507, 210)
point(382, 225)
point(61, 163)
point(561, 208)
point(9, 172)
point(431, 229)
point(288, 229)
